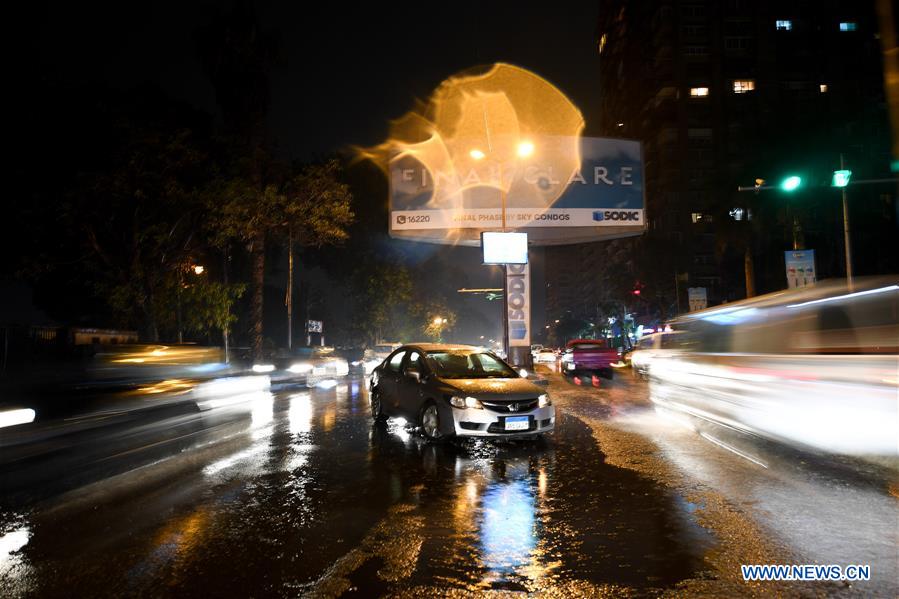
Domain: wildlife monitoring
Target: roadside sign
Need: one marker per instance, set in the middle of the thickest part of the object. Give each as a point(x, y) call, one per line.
point(697, 298)
point(314, 326)
point(800, 265)
point(518, 282)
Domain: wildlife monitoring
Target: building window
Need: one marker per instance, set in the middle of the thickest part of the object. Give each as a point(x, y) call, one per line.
point(784, 25)
point(847, 26)
point(822, 88)
point(741, 86)
point(696, 50)
point(736, 44)
point(696, 217)
point(602, 42)
point(795, 85)
point(699, 92)
point(695, 31)
point(736, 214)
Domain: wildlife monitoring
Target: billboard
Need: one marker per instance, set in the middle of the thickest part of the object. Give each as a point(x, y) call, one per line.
point(697, 298)
point(800, 268)
point(602, 199)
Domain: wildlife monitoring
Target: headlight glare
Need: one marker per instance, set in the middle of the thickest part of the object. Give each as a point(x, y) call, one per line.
point(465, 402)
point(543, 401)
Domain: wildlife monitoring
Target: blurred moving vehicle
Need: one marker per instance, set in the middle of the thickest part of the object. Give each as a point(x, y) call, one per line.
point(545, 356)
point(459, 390)
point(308, 366)
point(816, 367)
point(589, 355)
point(650, 347)
point(374, 355)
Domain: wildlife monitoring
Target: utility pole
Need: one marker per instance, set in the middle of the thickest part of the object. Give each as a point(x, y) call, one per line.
point(288, 298)
point(846, 231)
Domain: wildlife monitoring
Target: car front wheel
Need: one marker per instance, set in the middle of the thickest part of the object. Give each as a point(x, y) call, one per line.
point(430, 422)
point(377, 410)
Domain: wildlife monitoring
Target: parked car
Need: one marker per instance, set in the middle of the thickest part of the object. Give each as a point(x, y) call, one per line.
point(589, 356)
point(459, 391)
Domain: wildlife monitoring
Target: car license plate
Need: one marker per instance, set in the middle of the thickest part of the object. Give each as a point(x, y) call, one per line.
point(517, 423)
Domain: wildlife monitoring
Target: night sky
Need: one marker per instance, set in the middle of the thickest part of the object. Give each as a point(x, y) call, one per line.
point(346, 70)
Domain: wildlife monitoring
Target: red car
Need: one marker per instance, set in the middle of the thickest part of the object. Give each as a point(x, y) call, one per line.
point(589, 355)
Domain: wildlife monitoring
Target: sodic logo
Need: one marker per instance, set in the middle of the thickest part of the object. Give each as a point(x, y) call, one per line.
point(517, 302)
point(600, 215)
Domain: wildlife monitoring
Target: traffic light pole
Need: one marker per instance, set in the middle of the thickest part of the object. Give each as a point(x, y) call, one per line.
point(846, 241)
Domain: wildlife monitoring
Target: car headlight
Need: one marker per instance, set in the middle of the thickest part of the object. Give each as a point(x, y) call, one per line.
point(260, 368)
point(300, 368)
point(465, 402)
point(543, 401)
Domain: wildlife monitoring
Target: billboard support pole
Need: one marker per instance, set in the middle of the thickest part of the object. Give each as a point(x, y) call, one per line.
point(502, 199)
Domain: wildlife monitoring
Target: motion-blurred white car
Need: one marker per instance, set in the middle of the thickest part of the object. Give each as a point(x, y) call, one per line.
point(815, 367)
point(545, 356)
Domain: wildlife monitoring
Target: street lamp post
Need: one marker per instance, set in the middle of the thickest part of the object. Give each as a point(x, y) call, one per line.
point(524, 149)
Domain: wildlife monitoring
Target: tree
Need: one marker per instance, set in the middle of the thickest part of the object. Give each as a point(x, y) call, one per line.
point(381, 312)
point(317, 209)
point(138, 217)
point(237, 56)
point(309, 208)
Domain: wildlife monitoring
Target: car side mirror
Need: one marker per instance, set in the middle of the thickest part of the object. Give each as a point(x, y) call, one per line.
point(413, 374)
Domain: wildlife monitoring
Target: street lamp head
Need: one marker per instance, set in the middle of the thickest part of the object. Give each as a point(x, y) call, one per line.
point(438, 320)
point(477, 154)
point(525, 149)
point(199, 269)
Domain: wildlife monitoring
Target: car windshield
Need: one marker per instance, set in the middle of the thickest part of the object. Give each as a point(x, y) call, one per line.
point(468, 365)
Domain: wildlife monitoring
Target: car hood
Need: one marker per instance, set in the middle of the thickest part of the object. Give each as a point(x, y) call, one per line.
point(516, 388)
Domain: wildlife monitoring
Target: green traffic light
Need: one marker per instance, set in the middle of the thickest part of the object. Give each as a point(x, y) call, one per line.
point(841, 178)
point(791, 183)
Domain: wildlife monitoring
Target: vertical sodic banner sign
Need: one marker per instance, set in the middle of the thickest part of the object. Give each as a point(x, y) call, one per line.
point(518, 281)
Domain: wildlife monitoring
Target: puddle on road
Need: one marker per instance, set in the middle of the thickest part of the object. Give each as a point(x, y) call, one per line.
point(537, 516)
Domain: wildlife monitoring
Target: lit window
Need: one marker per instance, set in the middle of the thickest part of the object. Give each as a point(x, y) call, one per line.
point(699, 92)
point(741, 86)
point(737, 214)
point(822, 88)
point(602, 42)
point(697, 217)
point(847, 26)
point(784, 25)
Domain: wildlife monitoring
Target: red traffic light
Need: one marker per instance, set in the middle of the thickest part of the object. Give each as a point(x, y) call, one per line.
point(636, 292)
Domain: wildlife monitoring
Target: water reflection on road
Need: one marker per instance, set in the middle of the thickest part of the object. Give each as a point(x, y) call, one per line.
point(311, 497)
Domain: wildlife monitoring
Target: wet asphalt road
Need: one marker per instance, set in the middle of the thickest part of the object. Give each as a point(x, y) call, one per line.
point(305, 497)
